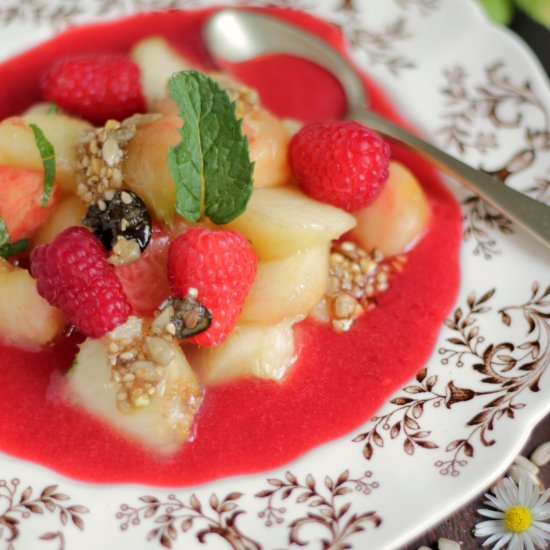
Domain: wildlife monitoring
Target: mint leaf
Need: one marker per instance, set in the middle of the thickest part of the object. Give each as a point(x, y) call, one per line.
point(4, 233)
point(211, 165)
point(53, 109)
point(47, 154)
point(9, 250)
point(6, 249)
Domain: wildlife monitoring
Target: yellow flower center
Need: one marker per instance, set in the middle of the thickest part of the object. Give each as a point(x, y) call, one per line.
point(518, 519)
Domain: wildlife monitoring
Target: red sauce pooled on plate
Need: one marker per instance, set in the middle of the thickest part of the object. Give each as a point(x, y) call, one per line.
point(339, 380)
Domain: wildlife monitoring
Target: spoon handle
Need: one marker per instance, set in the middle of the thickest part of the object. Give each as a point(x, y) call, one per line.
point(532, 215)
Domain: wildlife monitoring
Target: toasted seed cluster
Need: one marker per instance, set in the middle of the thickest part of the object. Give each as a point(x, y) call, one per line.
point(356, 278)
point(137, 359)
point(101, 154)
point(182, 317)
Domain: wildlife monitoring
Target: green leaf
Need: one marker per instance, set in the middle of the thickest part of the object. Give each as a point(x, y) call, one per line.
point(6, 249)
point(4, 233)
point(47, 154)
point(500, 11)
point(539, 10)
point(9, 250)
point(53, 109)
point(211, 165)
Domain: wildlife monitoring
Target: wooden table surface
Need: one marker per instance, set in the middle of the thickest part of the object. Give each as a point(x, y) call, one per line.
point(459, 526)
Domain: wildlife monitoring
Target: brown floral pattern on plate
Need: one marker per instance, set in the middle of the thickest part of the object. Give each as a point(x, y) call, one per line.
point(66, 12)
point(173, 516)
point(17, 505)
point(499, 103)
point(507, 369)
point(328, 510)
point(337, 519)
point(381, 46)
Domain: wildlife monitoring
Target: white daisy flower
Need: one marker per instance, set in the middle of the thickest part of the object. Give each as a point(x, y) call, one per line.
point(517, 518)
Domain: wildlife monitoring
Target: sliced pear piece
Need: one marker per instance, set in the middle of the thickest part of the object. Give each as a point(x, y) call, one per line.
point(18, 146)
point(395, 221)
point(287, 286)
point(164, 424)
point(251, 350)
point(27, 321)
point(278, 221)
point(157, 61)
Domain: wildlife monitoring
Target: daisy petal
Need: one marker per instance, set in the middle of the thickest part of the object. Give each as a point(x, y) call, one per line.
point(534, 494)
point(496, 503)
point(516, 543)
point(541, 512)
point(492, 526)
point(542, 526)
point(503, 540)
point(496, 537)
point(505, 493)
point(543, 499)
point(491, 513)
point(524, 489)
point(538, 535)
point(528, 542)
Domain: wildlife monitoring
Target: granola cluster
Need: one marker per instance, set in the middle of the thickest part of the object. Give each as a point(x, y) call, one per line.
point(356, 278)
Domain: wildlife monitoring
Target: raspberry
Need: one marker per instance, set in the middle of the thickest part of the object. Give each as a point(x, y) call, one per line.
point(221, 265)
point(340, 163)
point(72, 273)
point(96, 87)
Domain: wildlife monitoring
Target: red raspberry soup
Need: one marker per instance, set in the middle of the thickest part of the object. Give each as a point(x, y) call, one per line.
point(339, 381)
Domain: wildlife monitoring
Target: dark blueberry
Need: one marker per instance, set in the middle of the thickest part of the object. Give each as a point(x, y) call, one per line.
point(190, 316)
point(125, 215)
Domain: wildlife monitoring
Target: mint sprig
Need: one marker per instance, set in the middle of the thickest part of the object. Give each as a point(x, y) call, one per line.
point(47, 154)
point(53, 109)
point(211, 165)
point(6, 249)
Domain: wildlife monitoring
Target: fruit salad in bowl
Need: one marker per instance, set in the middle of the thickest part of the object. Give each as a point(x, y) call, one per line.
point(186, 269)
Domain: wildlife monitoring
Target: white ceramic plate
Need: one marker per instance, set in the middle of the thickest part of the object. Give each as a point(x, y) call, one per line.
point(477, 91)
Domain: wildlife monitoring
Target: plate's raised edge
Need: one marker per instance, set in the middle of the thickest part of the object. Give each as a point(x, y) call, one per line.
point(534, 63)
point(536, 413)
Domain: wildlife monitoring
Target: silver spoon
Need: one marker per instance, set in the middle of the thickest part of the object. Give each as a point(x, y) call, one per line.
point(236, 36)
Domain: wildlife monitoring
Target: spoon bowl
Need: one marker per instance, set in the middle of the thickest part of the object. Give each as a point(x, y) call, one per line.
point(235, 36)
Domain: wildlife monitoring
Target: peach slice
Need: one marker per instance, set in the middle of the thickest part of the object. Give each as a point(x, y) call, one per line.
point(146, 170)
point(18, 146)
point(396, 220)
point(268, 139)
